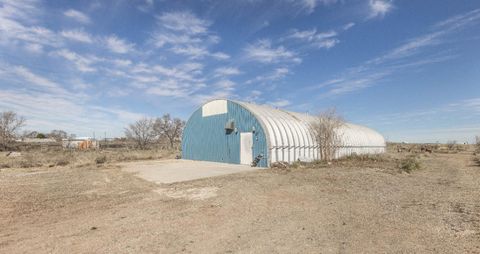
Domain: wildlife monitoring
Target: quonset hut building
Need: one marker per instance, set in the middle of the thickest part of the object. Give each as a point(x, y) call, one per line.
point(238, 132)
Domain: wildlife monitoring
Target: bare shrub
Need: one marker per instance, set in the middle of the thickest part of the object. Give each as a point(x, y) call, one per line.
point(10, 123)
point(29, 161)
point(476, 160)
point(58, 135)
point(451, 145)
point(409, 164)
point(326, 128)
point(62, 162)
point(101, 159)
point(169, 128)
point(365, 158)
point(141, 132)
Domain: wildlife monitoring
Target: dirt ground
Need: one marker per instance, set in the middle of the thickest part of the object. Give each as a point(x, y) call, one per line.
point(335, 209)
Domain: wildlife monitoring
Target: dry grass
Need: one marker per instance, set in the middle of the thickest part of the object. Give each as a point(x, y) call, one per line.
point(336, 208)
point(76, 158)
point(476, 160)
point(392, 163)
point(429, 148)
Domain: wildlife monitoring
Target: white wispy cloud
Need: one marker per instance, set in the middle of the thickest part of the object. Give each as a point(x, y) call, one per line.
point(185, 72)
point(316, 39)
point(82, 63)
point(309, 5)
point(36, 80)
point(225, 85)
point(122, 62)
point(34, 48)
point(276, 74)
point(220, 55)
point(161, 38)
point(186, 34)
point(175, 88)
point(146, 5)
point(253, 96)
point(77, 16)
point(191, 51)
point(14, 33)
point(442, 122)
point(77, 35)
point(279, 103)
point(48, 104)
point(379, 8)
point(459, 20)
point(400, 58)
point(21, 27)
point(262, 51)
point(78, 84)
point(183, 21)
point(472, 105)
point(348, 25)
point(48, 101)
point(117, 45)
point(46, 111)
point(226, 71)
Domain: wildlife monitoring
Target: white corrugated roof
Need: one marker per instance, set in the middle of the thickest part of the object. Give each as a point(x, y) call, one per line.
point(290, 136)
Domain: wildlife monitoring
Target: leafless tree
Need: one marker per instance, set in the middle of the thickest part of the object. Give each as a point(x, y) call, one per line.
point(169, 128)
point(141, 132)
point(326, 128)
point(10, 123)
point(58, 135)
point(29, 134)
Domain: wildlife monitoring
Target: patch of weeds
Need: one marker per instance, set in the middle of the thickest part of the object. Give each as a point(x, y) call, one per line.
point(62, 162)
point(4, 166)
point(382, 161)
point(28, 164)
point(319, 164)
point(476, 160)
point(365, 158)
point(409, 164)
point(279, 165)
point(298, 164)
point(101, 159)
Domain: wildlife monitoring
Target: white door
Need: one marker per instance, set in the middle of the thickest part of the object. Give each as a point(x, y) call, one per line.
point(246, 147)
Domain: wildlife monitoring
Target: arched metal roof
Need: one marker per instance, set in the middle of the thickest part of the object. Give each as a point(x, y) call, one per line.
point(290, 136)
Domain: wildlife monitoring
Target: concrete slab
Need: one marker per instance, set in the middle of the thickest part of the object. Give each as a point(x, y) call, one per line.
point(172, 171)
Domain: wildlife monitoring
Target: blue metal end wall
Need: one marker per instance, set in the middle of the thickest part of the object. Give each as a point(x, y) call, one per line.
point(205, 138)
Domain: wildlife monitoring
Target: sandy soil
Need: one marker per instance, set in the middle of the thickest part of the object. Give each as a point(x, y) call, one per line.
point(338, 209)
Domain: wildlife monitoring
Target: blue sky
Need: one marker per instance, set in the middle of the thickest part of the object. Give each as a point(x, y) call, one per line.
point(409, 69)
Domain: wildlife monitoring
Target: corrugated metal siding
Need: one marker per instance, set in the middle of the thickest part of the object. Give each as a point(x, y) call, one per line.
point(280, 136)
point(292, 138)
point(204, 138)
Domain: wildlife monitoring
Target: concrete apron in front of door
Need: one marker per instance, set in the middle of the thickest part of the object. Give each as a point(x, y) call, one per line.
point(172, 171)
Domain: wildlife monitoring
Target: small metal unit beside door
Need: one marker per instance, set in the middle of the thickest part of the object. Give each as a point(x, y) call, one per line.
point(246, 148)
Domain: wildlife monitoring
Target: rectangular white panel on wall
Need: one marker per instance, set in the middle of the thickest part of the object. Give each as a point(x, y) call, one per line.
point(246, 148)
point(216, 107)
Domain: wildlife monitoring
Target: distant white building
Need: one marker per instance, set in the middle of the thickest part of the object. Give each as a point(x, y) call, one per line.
point(37, 140)
point(82, 143)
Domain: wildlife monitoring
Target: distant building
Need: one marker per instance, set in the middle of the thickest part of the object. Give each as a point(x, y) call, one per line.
point(239, 133)
point(81, 143)
point(37, 140)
